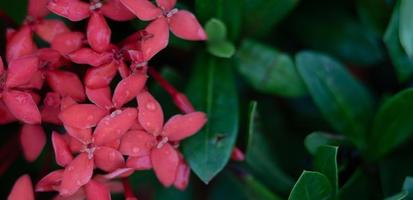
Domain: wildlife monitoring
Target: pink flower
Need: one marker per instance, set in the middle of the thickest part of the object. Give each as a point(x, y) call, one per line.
point(182, 23)
point(157, 142)
point(22, 189)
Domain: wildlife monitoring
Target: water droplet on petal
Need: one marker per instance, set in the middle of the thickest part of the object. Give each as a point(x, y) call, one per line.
point(151, 106)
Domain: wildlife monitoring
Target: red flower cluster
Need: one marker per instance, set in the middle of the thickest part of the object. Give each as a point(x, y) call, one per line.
point(101, 130)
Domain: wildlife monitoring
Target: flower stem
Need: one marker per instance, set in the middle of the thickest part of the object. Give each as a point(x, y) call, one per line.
point(129, 195)
point(180, 99)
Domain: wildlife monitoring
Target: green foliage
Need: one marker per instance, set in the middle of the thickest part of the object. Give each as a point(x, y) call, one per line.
point(312, 186)
point(218, 45)
point(317, 139)
point(325, 162)
point(345, 103)
point(212, 90)
point(268, 70)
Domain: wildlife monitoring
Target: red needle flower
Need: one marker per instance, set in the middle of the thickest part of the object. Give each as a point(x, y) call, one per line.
point(158, 140)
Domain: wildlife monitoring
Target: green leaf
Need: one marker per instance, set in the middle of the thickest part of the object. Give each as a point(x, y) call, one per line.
point(345, 103)
point(259, 157)
point(312, 186)
point(406, 26)
point(212, 90)
point(229, 11)
point(222, 49)
point(317, 139)
point(268, 70)
point(402, 63)
point(216, 30)
point(325, 162)
point(374, 14)
point(262, 15)
point(392, 124)
point(17, 10)
point(399, 196)
point(408, 187)
point(334, 30)
point(256, 190)
point(359, 185)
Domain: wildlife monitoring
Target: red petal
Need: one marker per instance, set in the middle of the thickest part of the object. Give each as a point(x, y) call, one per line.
point(32, 139)
point(51, 108)
point(184, 25)
point(22, 106)
point(119, 173)
point(50, 182)
point(237, 154)
point(5, 115)
point(96, 190)
point(82, 135)
point(50, 57)
point(49, 29)
point(73, 10)
point(165, 161)
point(166, 5)
point(100, 97)
point(98, 32)
point(123, 69)
point(38, 8)
point(182, 126)
point(182, 176)
point(90, 57)
point(66, 84)
point(136, 143)
point(128, 88)
point(67, 42)
point(143, 9)
point(1, 66)
point(20, 44)
point(67, 102)
point(137, 126)
point(82, 115)
point(115, 10)
point(108, 159)
point(150, 113)
point(22, 189)
point(61, 150)
point(157, 40)
point(113, 126)
point(77, 173)
point(75, 145)
point(35, 82)
point(139, 163)
point(21, 70)
point(100, 76)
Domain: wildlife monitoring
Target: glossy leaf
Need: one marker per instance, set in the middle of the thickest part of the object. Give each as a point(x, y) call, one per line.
point(268, 70)
point(311, 186)
point(392, 125)
point(406, 26)
point(402, 63)
point(325, 162)
point(345, 103)
point(212, 89)
point(317, 139)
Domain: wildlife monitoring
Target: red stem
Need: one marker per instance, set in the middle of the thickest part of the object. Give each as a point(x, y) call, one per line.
point(180, 100)
point(128, 189)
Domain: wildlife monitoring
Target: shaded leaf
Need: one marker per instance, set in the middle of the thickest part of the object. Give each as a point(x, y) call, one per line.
point(222, 49)
point(212, 90)
point(345, 103)
point(406, 26)
point(317, 139)
point(268, 70)
point(311, 186)
point(325, 162)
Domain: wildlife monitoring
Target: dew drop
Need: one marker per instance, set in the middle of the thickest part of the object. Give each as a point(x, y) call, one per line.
point(135, 149)
point(151, 106)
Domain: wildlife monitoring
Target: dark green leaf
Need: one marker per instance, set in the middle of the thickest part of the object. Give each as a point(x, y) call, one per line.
point(345, 103)
point(406, 26)
point(17, 10)
point(374, 14)
point(216, 30)
point(402, 63)
point(262, 15)
point(317, 139)
point(222, 49)
point(259, 157)
point(392, 124)
point(399, 196)
point(212, 90)
point(359, 185)
point(256, 190)
point(268, 70)
point(408, 187)
point(229, 11)
point(325, 162)
point(312, 186)
point(333, 30)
